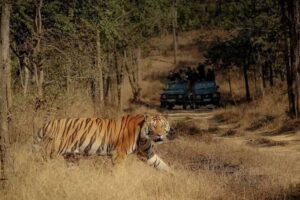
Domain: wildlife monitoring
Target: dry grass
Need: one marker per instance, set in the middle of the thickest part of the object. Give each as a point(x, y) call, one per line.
point(216, 170)
point(268, 111)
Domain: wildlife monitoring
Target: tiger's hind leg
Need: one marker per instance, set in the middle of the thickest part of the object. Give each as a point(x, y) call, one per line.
point(118, 157)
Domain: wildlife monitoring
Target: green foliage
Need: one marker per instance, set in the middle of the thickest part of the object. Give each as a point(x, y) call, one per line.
point(236, 51)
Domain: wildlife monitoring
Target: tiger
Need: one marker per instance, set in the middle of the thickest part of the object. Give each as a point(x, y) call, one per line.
point(117, 137)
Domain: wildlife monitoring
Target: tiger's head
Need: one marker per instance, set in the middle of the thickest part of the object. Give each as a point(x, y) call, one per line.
point(157, 128)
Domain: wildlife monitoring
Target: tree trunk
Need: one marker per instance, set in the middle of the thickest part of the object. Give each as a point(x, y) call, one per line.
point(255, 81)
point(4, 99)
point(262, 86)
point(270, 74)
point(130, 67)
point(296, 53)
point(229, 83)
point(26, 81)
point(37, 58)
point(119, 79)
point(108, 76)
point(293, 6)
point(261, 75)
point(218, 7)
point(247, 88)
point(175, 46)
point(138, 65)
point(69, 81)
point(100, 71)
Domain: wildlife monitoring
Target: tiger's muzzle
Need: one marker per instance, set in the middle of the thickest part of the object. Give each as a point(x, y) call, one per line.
point(168, 136)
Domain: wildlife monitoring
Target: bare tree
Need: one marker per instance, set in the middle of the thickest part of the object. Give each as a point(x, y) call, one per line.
point(100, 70)
point(290, 22)
point(246, 79)
point(5, 100)
point(175, 45)
point(37, 59)
point(218, 7)
point(261, 75)
point(132, 68)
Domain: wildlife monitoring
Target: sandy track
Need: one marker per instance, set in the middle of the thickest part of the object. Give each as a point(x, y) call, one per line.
point(203, 113)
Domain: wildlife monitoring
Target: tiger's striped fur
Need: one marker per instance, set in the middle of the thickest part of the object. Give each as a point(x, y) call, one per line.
point(97, 136)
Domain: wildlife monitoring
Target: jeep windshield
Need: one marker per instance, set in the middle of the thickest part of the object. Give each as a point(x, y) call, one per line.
point(204, 85)
point(176, 86)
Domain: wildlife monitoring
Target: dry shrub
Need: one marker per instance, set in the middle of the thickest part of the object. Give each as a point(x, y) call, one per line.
point(260, 122)
point(287, 126)
point(265, 142)
point(264, 112)
point(227, 116)
point(229, 133)
point(187, 128)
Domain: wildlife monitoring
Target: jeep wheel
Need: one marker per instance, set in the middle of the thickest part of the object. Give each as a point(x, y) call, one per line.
point(217, 104)
point(170, 106)
point(162, 105)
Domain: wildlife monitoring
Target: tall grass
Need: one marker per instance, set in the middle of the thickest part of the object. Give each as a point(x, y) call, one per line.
point(216, 170)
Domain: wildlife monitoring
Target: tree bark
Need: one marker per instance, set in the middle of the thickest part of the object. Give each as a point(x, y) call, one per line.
point(138, 65)
point(255, 80)
point(131, 67)
point(261, 76)
point(270, 74)
point(218, 7)
point(175, 46)
point(100, 70)
point(293, 15)
point(229, 83)
point(26, 80)
point(4, 94)
point(119, 79)
point(247, 88)
point(37, 58)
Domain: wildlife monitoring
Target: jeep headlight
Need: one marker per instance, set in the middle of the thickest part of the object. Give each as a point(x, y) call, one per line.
point(163, 96)
point(215, 95)
point(180, 96)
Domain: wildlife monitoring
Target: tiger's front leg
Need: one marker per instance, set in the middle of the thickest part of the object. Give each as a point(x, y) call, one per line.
point(158, 163)
point(146, 151)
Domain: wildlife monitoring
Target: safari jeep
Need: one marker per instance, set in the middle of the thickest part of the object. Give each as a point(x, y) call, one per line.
point(205, 92)
point(176, 93)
